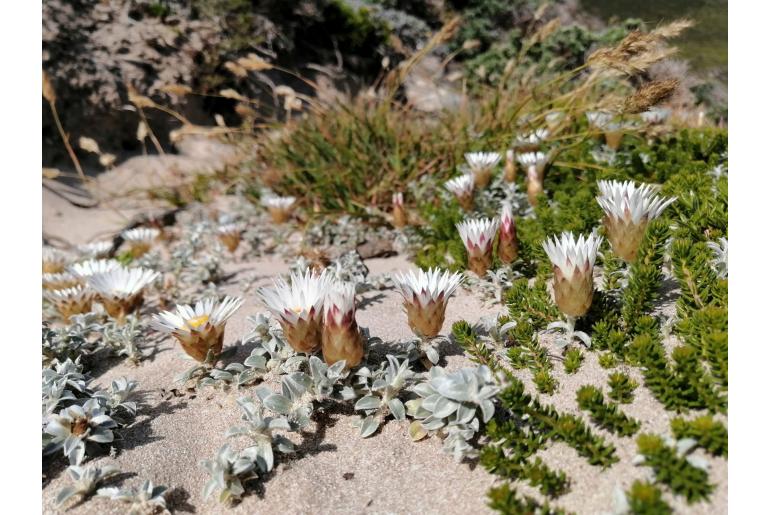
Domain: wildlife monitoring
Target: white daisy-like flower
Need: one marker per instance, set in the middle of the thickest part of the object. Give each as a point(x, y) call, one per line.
point(200, 329)
point(59, 281)
point(535, 160)
point(426, 295)
point(141, 235)
point(533, 139)
point(478, 237)
point(598, 119)
point(230, 235)
point(720, 253)
point(398, 199)
point(279, 207)
point(341, 339)
point(121, 290)
point(140, 240)
point(479, 234)
point(71, 301)
point(573, 264)
point(572, 255)
point(96, 249)
point(482, 160)
point(86, 269)
point(655, 115)
point(481, 165)
point(462, 188)
point(628, 210)
point(54, 260)
point(298, 306)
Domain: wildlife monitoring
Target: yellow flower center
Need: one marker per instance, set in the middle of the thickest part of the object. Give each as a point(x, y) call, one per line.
point(195, 323)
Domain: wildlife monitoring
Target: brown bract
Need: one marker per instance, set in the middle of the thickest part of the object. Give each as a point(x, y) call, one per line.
point(426, 321)
point(508, 246)
point(399, 216)
point(198, 343)
point(304, 336)
point(574, 295)
point(342, 342)
point(120, 308)
point(279, 215)
point(625, 236)
point(231, 240)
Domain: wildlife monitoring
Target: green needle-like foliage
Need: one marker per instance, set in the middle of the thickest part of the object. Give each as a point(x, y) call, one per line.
point(674, 470)
point(621, 387)
point(710, 434)
point(606, 415)
point(646, 499)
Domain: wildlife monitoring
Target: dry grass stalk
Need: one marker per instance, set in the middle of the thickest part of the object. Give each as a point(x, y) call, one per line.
point(649, 95)
point(49, 93)
point(638, 50)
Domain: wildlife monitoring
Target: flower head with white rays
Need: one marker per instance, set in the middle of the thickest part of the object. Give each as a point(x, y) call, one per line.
point(59, 281)
point(121, 290)
point(720, 253)
point(200, 329)
point(230, 235)
point(628, 209)
point(655, 115)
point(462, 188)
point(71, 301)
point(481, 164)
point(532, 140)
point(533, 159)
point(298, 306)
point(426, 295)
point(598, 119)
point(399, 213)
point(279, 207)
point(341, 339)
point(478, 237)
point(86, 269)
point(96, 249)
point(54, 261)
point(140, 239)
point(508, 246)
point(573, 267)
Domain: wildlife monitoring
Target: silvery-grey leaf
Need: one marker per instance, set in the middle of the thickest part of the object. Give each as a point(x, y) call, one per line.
point(685, 445)
point(397, 409)
point(369, 426)
point(367, 402)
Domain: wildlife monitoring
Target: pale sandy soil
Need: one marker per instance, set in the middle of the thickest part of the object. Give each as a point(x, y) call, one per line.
point(334, 470)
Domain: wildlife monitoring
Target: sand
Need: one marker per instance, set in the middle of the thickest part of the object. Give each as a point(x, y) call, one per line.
point(334, 470)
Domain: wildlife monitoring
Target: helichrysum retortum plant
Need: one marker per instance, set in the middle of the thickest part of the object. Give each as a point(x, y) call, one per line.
point(462, 188)
point(628, 209)
point(399, 212)
point(298, 307)
point(84, 481)
point(147, 498)
point(121, 291)
point(341, 338)
point(73, 427)
point(426, 295)
point(140, 240)
point(382, 388)
point(280, 208)
point(481, 165)
point(478, 236)
point(508, 243)
point(230, 235)
point(200, 329)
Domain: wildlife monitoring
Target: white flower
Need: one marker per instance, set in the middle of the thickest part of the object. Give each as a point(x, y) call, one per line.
point(275, 202)
point(532, 159)
point(507, 224)
point(229, 229)
point(140, 235)
point(720, 251)
point(426, 295)
point(298, 306)
point(71, 301)
point(300, 299)
point(424, 288)
point(533, 138)
point(86, 269)
point(398, 199)
point(59, 280)
point(340, 304)
point(570, 255)
point(54, 260)
point(599, 119)
point(630, 203)
point(478, 235)
point(480, 161)
point(656, 115)
point(95, 249)
point(122, 283)
point(460, 186)
point(187, 319)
